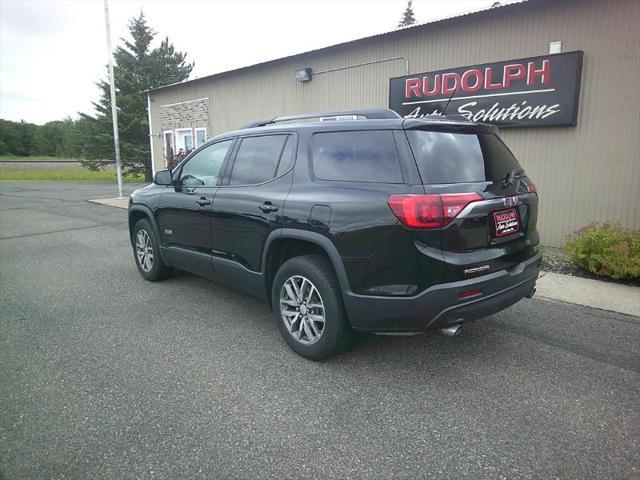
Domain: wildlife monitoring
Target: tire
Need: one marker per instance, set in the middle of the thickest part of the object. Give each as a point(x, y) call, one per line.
point(304, 274)
point(150, 263)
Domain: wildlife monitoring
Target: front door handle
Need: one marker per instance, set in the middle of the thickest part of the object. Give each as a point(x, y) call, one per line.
point(202, 201)
point(268, 207)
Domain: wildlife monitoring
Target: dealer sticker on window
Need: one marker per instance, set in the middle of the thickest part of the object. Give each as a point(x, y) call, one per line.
point(506, 222)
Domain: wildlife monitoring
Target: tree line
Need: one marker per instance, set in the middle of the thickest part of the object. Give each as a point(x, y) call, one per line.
point(60, 138)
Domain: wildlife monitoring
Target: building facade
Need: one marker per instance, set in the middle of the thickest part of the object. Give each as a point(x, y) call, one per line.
point(584, 156)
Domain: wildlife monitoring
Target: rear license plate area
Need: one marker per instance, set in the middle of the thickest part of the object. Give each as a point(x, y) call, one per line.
point(505, 222)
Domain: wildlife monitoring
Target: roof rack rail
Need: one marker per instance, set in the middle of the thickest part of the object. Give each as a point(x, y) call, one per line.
point(368, 113)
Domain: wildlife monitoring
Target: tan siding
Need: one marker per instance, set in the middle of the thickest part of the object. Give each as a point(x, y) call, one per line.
point(586, 173)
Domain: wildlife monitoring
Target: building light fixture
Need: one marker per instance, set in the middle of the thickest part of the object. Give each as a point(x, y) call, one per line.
point(303, 75)
point(555, 47)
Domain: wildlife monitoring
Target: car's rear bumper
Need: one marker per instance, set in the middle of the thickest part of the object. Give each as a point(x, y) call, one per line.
point(442, 305)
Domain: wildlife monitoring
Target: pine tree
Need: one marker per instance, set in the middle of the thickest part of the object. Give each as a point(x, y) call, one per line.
point(408, 18)
point(137, 68)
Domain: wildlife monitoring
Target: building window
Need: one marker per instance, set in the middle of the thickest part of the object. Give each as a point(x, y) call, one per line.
point(184, 140)
point(168, 147)
point(201, 136)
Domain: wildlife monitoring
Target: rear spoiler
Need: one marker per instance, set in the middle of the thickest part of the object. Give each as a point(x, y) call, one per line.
point(449, 123)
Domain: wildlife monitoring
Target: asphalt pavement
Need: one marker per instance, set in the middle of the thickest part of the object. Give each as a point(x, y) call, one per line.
point(105, 375)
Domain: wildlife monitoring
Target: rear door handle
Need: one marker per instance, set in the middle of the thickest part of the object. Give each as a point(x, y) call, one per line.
point(202, 201)
point(268, 207)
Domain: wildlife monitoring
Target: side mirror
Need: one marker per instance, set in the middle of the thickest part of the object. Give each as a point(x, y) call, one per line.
point(162, 177)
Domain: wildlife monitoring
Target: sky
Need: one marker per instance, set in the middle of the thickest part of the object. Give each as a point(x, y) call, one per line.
point(53, 51)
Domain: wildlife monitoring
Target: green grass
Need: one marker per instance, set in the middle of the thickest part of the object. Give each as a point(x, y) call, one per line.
point(73, 174)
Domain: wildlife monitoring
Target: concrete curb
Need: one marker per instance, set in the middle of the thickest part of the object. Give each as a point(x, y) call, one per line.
point(118, 202)
point(592, 293)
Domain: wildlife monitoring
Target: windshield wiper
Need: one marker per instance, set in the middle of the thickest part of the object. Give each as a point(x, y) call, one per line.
point(512, 175)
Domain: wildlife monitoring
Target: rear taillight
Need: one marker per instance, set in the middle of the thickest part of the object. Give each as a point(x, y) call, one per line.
point(531, 188)
point(430, 211)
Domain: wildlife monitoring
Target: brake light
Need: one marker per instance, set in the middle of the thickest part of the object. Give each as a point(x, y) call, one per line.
point(531, 188)
point(430, 211)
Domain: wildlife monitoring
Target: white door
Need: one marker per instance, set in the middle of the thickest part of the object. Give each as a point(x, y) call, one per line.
point(184, 140)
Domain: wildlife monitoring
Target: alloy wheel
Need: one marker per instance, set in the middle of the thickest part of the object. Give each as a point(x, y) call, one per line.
point(302, 309)
point(144, 250)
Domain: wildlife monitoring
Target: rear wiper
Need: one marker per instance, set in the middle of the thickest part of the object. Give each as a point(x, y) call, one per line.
point(512, 175)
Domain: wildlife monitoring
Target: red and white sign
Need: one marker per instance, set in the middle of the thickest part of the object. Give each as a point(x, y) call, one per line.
point(536, 91)
point(506, 222)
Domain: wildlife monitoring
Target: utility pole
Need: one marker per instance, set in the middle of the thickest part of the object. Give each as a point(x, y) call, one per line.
point(114, 109)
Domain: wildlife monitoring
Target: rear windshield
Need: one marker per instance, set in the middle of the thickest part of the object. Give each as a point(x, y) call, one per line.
point(446, 157)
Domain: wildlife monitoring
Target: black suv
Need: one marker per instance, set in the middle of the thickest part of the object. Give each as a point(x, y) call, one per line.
point(349, 221)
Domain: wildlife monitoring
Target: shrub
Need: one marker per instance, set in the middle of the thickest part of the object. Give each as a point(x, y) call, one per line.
point(606, 250)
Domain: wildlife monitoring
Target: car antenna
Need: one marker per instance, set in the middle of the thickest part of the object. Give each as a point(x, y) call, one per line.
point(449, 101)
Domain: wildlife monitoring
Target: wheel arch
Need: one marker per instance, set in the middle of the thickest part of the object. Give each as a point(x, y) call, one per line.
point(286, 243)
point(139, 212)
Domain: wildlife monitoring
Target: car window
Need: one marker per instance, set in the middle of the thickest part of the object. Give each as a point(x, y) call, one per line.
point(257, 159)
point(360, 156)
point(452, 157)
point(288, 156)
point(203, 168)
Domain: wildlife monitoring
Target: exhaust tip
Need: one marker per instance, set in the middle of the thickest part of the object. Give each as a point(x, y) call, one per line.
point(452, 331)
